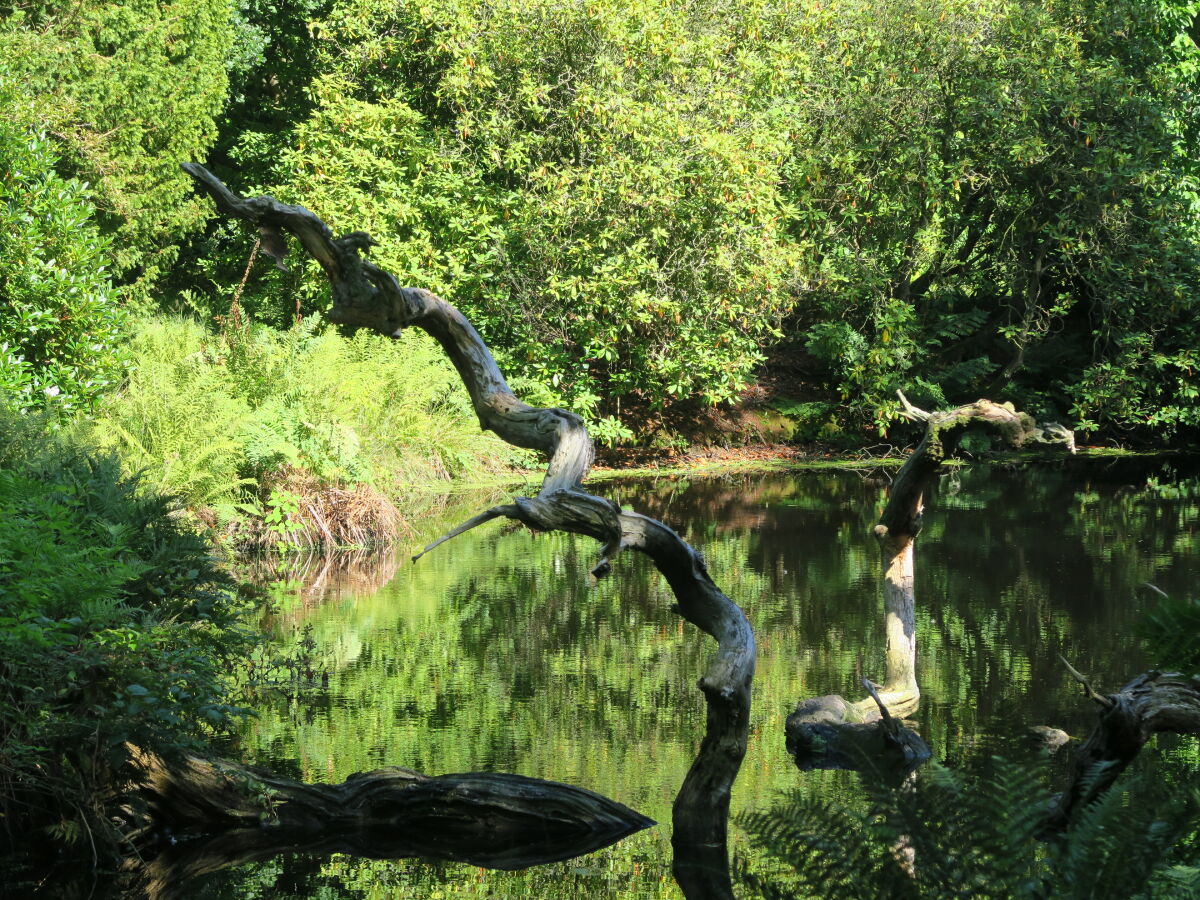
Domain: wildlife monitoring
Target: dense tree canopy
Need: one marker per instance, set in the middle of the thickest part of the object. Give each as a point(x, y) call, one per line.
point(128, 90)
point(637, 200)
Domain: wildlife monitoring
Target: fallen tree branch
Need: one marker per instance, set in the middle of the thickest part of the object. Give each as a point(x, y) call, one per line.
point(365, 296)
point(1088, 690)
point(488, 819)
point(1150, 704)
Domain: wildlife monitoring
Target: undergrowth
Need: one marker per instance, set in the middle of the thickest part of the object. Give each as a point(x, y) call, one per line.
point(295, 438)
point(977, 834)
point(116, 628)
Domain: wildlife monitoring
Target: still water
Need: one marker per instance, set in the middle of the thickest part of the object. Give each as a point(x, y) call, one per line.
point(496, 652)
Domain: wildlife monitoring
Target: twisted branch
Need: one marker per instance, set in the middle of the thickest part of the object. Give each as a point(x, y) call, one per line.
point(365, 296)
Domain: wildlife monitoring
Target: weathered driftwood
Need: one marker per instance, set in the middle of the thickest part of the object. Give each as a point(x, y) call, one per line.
point(896, 533)
point(1149, 704)
point(364, 296)
point(488, 819)
point(821, 735)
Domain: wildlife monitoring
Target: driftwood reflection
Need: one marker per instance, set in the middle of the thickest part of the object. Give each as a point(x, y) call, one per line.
point(832, 732)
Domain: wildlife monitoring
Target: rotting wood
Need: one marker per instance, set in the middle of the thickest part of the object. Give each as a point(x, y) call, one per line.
point(896, 533)
point(488, 819)
point(365, 296)
point(1150, 704)
point(820, 737)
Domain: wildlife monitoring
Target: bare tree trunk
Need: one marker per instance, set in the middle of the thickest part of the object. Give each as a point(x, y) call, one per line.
point(365, 296)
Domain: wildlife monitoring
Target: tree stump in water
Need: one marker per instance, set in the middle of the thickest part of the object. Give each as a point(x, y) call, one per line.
point(828, 733)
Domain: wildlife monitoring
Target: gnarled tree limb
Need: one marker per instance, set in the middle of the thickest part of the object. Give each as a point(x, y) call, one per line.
point(365, 296)
point(1150, 704)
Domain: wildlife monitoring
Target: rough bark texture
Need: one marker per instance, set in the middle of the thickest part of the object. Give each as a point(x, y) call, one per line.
point(488, 819)
point(1149, 704)
point(810, 725)
point(821, 734)
point(365, 296)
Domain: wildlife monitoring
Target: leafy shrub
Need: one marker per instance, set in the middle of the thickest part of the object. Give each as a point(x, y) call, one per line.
point(59, 323)
point(225, 419)
point(1001, 198)
point(975, 834)
point(559, 172)
point(1171, 628)
point(115, 627)
point(128, 90)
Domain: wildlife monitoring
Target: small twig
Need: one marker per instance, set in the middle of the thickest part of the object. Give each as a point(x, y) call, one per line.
point(1157, 590)
point(873, 690)
point(473, 522)
point(1088, 690)
point(235, 309)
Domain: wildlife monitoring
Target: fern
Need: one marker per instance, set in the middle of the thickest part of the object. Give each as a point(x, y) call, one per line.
point(1172, 630)
point(950, 834)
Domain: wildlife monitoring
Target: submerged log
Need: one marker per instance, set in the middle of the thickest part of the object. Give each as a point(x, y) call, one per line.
point(365, 296)
point(487, 819)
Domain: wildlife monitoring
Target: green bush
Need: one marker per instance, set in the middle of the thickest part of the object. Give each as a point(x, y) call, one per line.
point(587, 182)
point(128, 90)
point(59, 323)
point(115, 627)
point(218, 417)
point(631, 199)
point(1000, 198)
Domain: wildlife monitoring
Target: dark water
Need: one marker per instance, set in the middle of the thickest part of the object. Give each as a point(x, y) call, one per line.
point(495, 652)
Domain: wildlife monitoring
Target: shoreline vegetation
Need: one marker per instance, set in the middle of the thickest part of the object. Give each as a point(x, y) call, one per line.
point(654, 214)
point(306, 439)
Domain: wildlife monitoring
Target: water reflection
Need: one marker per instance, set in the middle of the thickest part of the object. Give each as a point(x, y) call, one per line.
point(496, 653)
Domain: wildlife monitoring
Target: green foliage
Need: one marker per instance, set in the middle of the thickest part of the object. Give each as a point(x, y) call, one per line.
point(1172, 630)
point(129, 90)
point(950, 834)
point(629, 198)
point(115, 627)
point(1000, 198)
point(216, 417)
point(559, 173)
point(59, 323)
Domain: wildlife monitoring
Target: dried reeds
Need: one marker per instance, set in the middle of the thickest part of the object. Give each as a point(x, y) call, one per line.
point(310, 513)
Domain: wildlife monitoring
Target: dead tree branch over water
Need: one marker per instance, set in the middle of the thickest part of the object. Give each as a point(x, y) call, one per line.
point(365, 296)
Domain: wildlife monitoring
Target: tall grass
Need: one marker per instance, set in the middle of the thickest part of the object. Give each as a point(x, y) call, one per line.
point(298, 437)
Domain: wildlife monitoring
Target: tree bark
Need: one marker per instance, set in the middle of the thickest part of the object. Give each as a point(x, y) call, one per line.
point(487, 819)
point(1150, 704)
point(364, 296)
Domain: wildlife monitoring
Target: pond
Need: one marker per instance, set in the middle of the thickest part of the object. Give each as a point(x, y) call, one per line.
point(497, 652)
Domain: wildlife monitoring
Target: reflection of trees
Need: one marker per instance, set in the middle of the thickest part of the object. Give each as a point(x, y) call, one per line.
point(593, 684)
